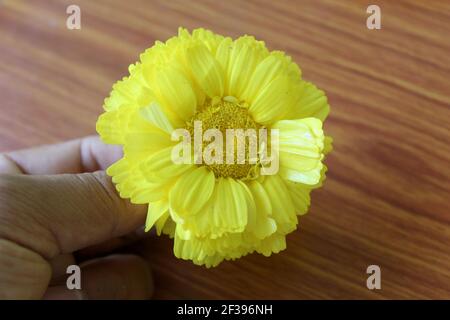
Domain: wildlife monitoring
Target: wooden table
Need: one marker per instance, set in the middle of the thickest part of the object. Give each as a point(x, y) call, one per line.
point(386, 199)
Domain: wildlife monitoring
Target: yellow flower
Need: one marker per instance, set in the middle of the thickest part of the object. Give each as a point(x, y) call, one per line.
point(216, 211)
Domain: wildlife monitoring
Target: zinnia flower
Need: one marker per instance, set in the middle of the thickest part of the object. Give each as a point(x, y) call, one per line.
point(216, 211)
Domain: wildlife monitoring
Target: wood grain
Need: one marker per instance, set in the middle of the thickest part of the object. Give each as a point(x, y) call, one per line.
point(386, 199)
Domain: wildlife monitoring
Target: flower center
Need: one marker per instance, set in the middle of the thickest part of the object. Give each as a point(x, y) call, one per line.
point(223, 114)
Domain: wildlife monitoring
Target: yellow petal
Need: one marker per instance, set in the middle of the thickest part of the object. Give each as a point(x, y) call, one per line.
point(125, 92)
point(201, 223)
point(190, 193)
point(154, 177)
point(206, 69)
point(283, 211)
point(300, 195)
point(161, 222)
point(182, 232)
point(311, 102)
point(146, 192)
point(131, 184)
point(210, 39)
point(155, 211)
point(223, 52)
point(174, 92)
point(192, 249)
point(252, 216)
point(328, 145)
point(223, 56)
point(273, 101)
point(244, 57)
point(154, 114)
point(266, 71)
point(293, 69)
point(119, 170)
point(169, 228)
point(300, 149)
point(273, 244)
point(112, 126)
point(143, 137)
point(231, 208)
point(264, 225)
point(160, 168)
point(143, 145)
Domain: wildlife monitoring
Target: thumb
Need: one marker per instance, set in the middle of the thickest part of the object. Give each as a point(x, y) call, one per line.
point(54, 214)
point(44, 216)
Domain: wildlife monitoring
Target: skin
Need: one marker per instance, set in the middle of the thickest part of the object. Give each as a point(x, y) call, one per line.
point(56, 200)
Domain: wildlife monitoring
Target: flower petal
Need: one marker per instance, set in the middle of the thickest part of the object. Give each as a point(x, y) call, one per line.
point(273, 244)
point(210, 39)
point(130, 183)
point(155, 211)
point(223, 56)
point(300, 149)
point(245, 55)
point(283, 211)
point(273, 101)
point(273, 66)
point(197, 251)
point(128, 91)
point(311, 102)
point(154, 114)
point(159, 168)
point(144, 137)
point(328, 145)
point(264, 225)
point(206, 69)
point(174, 92)
point(161, 222)
point(230, 209)
point(300, 195)
point(112, 126)
point(190, 193)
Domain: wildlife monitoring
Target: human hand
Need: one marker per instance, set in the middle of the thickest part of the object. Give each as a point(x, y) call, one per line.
point(55, 200)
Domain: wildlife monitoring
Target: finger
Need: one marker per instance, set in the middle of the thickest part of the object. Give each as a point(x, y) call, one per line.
point(7, 165)
point(112, 277)
point(117, 277)
point(61, 262)
point(113, 244)
point(57, 214)
point(59, 266)
point(87, 154)
point(24, 273)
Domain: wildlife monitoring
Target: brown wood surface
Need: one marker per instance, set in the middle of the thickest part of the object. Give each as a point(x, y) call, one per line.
point(386, 199)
